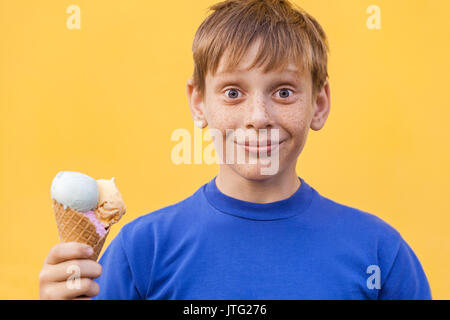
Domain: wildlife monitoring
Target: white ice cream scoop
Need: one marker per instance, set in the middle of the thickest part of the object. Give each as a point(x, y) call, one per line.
point(75, 190)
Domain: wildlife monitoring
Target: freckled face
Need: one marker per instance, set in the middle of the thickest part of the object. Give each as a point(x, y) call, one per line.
point(252, 100)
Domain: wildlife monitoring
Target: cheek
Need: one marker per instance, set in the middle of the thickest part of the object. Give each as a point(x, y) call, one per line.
point(220, 117)
point(295, 121)
point(221, 120)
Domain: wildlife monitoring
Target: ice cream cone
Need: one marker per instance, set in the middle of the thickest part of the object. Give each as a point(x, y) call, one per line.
point(75, 226)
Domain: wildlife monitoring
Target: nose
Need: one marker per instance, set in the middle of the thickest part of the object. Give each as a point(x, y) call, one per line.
point(259, 113)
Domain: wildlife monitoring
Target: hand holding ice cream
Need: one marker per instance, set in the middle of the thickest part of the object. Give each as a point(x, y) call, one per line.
point(84, 209)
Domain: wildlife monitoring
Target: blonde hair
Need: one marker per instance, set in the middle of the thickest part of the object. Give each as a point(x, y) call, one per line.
point(286, 33)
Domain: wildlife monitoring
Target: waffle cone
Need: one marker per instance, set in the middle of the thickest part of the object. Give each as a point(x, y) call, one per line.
point(75, 226)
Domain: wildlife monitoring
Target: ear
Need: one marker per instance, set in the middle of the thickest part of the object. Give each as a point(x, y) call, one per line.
point(196, 104)
point(321, 107)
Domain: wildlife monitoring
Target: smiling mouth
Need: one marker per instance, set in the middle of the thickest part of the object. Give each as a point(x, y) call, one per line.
point(256, 147)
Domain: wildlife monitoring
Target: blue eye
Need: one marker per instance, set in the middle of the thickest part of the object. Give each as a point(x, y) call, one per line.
point(284, 95)
point(234, 95)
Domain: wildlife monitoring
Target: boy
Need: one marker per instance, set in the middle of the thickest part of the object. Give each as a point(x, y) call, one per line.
point(261, 68)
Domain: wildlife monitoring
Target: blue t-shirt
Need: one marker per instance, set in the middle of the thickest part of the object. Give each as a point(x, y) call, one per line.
point(212, 246)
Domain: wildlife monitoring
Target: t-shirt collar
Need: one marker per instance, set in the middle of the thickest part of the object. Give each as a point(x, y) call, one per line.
point(295, 204)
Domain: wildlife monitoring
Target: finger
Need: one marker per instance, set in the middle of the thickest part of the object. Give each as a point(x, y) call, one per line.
point(68, 251)
point(83, 288)
point(84, 268)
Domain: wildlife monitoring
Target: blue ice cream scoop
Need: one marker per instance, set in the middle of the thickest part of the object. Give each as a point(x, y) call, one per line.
point(75, 190)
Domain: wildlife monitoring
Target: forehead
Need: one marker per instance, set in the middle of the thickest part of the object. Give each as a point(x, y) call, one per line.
point(291, 70)
point(245, 64)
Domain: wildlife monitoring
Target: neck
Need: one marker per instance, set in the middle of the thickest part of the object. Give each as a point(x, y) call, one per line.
point(275, 188)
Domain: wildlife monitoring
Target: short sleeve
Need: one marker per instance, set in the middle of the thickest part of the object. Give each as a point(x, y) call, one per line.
point(116, 281)
point(405, 280)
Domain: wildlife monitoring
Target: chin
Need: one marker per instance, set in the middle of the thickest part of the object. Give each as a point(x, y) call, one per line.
point(256, 172)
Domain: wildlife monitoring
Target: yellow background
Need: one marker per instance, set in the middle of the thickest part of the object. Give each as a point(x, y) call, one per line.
point(104, 100)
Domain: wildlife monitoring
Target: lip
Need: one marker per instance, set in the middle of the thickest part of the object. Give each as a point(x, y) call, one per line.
point(255, 148)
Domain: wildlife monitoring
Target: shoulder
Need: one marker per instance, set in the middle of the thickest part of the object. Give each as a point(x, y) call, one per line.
point(162, 219)
point(352, 230)
point(354, 221)
point(130, 255)
point(374, 242)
